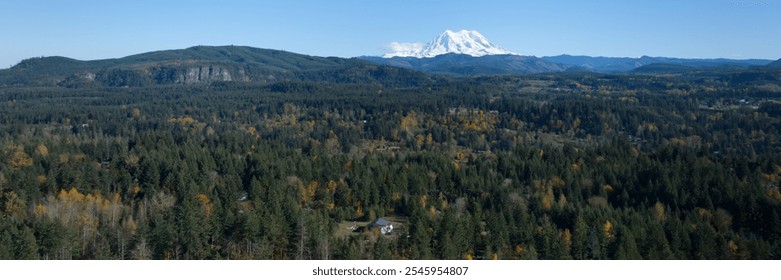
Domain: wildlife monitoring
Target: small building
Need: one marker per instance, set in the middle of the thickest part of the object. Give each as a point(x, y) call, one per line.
point(383, 225)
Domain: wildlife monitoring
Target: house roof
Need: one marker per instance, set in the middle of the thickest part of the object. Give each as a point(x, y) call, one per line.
point(380, 222)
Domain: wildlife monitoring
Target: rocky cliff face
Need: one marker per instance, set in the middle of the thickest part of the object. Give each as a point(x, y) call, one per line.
point(191, 74)
point(203, 74)
point(184, 75)
point(167, 74)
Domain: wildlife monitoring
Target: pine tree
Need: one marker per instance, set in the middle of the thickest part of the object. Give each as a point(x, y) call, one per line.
point(26, 247)
point(580, 238)
point(6, 242)
point(627, 248)
point(594, 248)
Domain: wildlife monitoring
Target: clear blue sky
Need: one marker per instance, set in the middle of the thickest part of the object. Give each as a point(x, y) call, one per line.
point(95, 29)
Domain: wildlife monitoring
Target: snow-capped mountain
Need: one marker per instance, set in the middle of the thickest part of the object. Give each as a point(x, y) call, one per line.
point(461, 42)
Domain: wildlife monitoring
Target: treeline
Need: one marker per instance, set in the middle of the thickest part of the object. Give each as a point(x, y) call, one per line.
point(486, 168)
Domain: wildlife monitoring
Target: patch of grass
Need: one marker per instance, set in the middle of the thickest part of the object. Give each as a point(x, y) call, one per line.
point(347, 228)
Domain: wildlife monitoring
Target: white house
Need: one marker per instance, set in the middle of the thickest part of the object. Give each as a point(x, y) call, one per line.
point(384, 225)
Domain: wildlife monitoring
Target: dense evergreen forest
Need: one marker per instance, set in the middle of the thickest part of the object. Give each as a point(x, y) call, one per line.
point(564, 166)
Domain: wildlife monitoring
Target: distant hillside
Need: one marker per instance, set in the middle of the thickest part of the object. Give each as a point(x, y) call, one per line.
point(460, 64)
point(200, 65)
point(597, 64)
point(624, 64)
point(775, 64)
point(662, 68)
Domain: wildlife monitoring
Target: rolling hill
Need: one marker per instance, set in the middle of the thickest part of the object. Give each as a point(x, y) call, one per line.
point(625, 64)
point(202, 65)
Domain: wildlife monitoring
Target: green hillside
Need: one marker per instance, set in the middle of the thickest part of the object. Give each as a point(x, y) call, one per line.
point(202, 65)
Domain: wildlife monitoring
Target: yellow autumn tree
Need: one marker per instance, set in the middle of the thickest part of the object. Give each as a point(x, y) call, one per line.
point(562, 199)
point(14, 205)
point(135, 113)
point(419, 140)
point(546, 193)
point(40, 210)
point(547, 199)
point(86, 213)
point(556, 182)
point(659, 212)
point(40, 179)
point(130, 224)
point(395, 196)
point(607, 230)
point(774, 194)
point(518, 251)
point(469, 255)
point(409, 122)
point(132, 160)
point(20, 159)
point(566, 238)
point(206, 203)
point(42, 150)
point(308, 193)
point(332, 144)
point(358, 209)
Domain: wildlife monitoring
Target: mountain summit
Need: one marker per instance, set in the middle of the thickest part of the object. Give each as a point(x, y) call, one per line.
point(466, 42)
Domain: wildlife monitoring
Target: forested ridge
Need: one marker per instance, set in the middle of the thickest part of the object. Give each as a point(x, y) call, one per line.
point(560, 166)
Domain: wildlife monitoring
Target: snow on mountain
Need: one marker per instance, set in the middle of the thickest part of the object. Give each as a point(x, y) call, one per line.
point(461, 42)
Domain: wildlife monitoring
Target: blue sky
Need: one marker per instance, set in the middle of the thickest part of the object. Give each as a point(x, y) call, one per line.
point(95, 29)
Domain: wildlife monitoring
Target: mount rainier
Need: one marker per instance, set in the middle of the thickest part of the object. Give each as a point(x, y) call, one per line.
point(462, 52)
point(466, 42)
